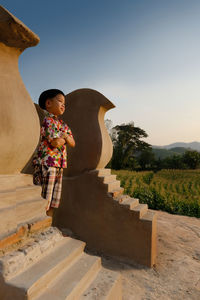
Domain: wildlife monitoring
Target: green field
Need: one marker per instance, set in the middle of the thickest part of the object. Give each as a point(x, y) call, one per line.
point(174, 191)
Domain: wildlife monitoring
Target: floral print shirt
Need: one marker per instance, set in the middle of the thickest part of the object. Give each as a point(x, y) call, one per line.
point(46, 154)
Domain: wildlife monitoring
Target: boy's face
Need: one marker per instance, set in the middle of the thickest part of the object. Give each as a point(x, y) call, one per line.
point(56, 105)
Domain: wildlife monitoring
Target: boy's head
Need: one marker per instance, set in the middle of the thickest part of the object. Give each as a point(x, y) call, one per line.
point(53, 101)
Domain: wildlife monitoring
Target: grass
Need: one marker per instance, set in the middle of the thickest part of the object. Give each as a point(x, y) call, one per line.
point(174, 191)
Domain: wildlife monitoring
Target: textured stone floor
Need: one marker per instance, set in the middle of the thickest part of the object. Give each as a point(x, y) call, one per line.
point(177, 272)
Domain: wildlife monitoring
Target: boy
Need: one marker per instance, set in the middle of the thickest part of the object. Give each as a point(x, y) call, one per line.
point(51, 156)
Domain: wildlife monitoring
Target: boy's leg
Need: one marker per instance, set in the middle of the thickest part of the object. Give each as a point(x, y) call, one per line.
point(57, 188)
point(48, 178)
point(50, 212)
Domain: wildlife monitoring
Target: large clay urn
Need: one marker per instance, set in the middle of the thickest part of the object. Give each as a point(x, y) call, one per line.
point(19, 122)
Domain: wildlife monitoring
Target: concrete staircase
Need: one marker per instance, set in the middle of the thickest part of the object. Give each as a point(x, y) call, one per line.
point(36, 261)
point(145, 219)
point(108, 221)
point(22, 209)
point(125, 201)
point(53, 267)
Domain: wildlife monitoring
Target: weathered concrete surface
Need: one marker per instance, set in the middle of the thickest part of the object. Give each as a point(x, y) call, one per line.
point(84, 114)
point(106, 286)
point(9, 182)
point(51, 267)
point(22, 209)
point(177, 272)
point(29, 168)
point(103, 223)
point(14, 33)
point(19, 207)
point(16, 261)
point(19, 130)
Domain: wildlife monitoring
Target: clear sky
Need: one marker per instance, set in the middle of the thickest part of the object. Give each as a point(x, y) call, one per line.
point(144, 55)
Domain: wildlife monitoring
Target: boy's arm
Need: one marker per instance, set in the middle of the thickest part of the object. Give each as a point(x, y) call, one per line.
point(69, 139)
point(49, 131)
point(68, 136)
point(57, 142)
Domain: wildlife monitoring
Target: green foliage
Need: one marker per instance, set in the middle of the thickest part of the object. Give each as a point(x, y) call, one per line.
point(146, 159)
point(147, 178)
point(192, 159)
point(164, 153)
point(130, 152)
point(174, 191)
point(189, 160)
point(127, 142)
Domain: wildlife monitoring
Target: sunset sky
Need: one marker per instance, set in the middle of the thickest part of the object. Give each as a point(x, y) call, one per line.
point(143, 55)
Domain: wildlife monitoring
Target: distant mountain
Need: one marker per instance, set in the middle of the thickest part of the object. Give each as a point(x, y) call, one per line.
point(193, 146)
point(179, 150)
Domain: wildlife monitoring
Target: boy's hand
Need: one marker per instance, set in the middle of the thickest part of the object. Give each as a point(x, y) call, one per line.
point(64, 135)
point(58, 142)
point(69, 140)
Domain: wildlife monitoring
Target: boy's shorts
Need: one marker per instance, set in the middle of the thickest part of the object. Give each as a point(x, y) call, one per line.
point(50, 178)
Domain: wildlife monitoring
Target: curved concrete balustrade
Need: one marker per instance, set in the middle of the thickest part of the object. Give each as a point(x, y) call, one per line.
point(85, 110)
point(18, 117)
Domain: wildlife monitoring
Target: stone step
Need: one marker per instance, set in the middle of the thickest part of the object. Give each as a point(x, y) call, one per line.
point(108, 178)
point(37, 246)
point(140, 210)
point(37, 278)
point(21, 213)
point(121, 198)
point(31, 208)
point(148, 216)
point(106, 286)
point(8, 182)
point(12, 239)
point(130, 202)
point(117, 192)
point(114, 185)
point(19, 206)
point(40, 223)
point(12, 197)
point(72, 282)
point(103, 172)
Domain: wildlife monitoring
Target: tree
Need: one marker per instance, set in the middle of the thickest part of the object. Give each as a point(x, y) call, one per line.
point(146, 159)
point(126, 143)
point(192, 159)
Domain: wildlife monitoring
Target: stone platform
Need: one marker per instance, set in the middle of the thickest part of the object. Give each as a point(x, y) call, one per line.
point(50, 266)
point(36, 261)
point(22, 209)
